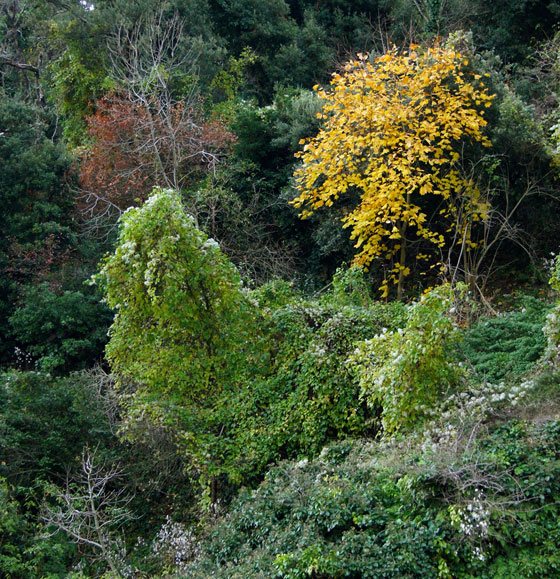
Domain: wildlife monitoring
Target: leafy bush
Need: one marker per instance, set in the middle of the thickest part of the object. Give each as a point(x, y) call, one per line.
point(45, 424)
point(307, 395)
point(335, 516)
point(26, 550)
point(367, 510)
point(552, 327)
point(509, 344)
point(61, 331)
point(10, 527)
point(350, 287)
point(405, 372)
point(183, 331)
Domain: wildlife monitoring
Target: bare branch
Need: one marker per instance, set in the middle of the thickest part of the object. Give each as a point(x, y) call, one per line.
point(4, 59)
point(91, 509)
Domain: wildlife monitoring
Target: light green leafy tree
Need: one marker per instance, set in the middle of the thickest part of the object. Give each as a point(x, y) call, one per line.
point(552, 327)
point(182, 329)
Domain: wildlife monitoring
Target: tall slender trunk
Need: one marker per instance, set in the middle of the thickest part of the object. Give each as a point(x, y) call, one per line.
point(402, 256)
point(402, 259)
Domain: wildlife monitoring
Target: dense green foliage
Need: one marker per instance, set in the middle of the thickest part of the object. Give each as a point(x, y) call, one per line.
point(35, 204)
point(552, 328)
point(180, 335)
point(364, 510)
point(509, 344)
point(228, 398)
point(406, 372)
point(308, 395)
point(60, 331)
point(46, 423)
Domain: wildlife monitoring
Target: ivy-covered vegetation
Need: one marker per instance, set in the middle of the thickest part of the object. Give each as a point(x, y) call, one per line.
point(279, 288)
point(400, 510)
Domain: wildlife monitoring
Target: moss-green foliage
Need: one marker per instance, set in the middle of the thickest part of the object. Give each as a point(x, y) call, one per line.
point(528, 536)
point(364, 510)
point(307, 396)
point(77, 81)
point(405, 372)
point(508, 344)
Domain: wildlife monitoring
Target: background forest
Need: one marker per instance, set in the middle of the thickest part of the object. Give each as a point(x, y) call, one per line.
point(279, 293)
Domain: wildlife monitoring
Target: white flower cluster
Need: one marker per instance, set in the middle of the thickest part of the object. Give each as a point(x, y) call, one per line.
point(210, 244)
point(23, 358)
point(439, 437)
point(302, 463)
point(487, 398)
point(552, 333)
point(176, 545)
point(471, 405)
point(127, 251)
point(474, 522)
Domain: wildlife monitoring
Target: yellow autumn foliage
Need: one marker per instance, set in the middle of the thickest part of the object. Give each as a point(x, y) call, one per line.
point(393, 131)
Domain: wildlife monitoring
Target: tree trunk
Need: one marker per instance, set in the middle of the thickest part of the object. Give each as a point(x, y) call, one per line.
point(402, 259)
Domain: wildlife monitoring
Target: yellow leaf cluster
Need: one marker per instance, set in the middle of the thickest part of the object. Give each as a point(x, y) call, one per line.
point(392, 132)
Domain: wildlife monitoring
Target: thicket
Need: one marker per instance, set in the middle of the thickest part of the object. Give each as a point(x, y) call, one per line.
point(507, 345)
point(230, 398)
point(367, 510)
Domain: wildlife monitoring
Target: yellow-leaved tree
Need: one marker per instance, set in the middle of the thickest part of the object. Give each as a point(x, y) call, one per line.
point(393, 129)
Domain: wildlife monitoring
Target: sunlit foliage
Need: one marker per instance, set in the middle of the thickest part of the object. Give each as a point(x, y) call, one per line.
point(392, 134)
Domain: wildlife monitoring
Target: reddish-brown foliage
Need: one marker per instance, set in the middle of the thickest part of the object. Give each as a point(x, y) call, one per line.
point(138, 144)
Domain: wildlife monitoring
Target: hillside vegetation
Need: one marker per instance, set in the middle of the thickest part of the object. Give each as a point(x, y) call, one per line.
point(279, 289)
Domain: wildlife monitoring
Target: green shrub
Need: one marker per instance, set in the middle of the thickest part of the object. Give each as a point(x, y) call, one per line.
point(275, 294)
point(61, 331)
point(46, 422)
point(184, 330)
point(350, 287)
point(507, 345)
point(552, 327)
point(26, 548)
point(406, 372)
point(307, 396)
point(400, 510)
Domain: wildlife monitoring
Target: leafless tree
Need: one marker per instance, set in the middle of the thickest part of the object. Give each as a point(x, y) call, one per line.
point(441, 16)
point(142, 60)
point(91, 509)
point(241, 229)
point(475, 247)
point(152, 134)
point(103, 391)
